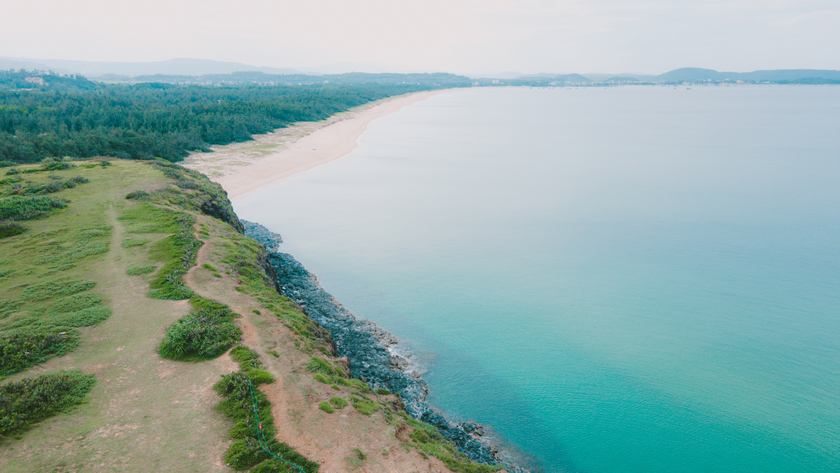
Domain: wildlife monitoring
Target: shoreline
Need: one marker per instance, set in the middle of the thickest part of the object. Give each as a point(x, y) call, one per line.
point(242, 168)
point(370, 354)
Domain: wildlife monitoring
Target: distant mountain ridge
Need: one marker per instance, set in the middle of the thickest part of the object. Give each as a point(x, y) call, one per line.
point(692, 74)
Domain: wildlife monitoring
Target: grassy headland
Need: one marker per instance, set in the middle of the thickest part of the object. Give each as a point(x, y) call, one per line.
point(124, 300)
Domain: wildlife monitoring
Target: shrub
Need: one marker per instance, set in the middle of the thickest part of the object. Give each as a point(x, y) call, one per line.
point(322, 378)
point(246, 453)
point(338, 402)
point(19, 351)
point(260, 376)
point(326, 407)
point(28, 207)
point(9, 228)
point(30, 400)
point(202, 335)
point(137, 195)
point(383, 392)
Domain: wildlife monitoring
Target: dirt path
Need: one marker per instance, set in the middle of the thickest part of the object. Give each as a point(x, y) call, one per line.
point(145, 413)
point(328, 439)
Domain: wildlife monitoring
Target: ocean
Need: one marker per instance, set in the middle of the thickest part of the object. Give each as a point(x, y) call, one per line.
point(622, 279)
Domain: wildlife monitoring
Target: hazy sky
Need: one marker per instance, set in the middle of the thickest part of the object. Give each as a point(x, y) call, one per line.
point(465, 36)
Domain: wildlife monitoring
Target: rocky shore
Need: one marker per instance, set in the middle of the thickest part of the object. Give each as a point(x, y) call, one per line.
point(367, 348)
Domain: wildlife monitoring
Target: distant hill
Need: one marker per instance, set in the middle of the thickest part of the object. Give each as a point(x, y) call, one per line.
point(36, 80)
point(783, 76)
point(179, 66)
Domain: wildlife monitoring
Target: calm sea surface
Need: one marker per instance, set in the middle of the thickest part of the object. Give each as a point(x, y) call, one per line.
point(629, 279)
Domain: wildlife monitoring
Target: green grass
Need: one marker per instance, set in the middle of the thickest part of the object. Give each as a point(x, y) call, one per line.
point(363, 405)
point(55, 287)
point(245, 452)
point(200, 335)
point(9, 228)
point(138, 270)
point(31, 400)
point(43, 277)
point(132, 242)
point(338, 402)
point(428, 440)
point(321, 365)
point(21, 349)
point(326, 407)
point(28, 208)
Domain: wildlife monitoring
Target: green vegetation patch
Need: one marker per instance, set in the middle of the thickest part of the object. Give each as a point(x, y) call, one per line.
point(363, 405)
point(28, 207)
point(132, 242)
point(338, 402)
point(200, 335)
point(254, 436)
point(326, 407)
point(428, 440)
point(21, 349)
point(9, 307)
point(31, 400)
point(245, 260)
point(138, 270)
point(55, 287)
point(178, 252)
point(321, 365)
point(9, 228)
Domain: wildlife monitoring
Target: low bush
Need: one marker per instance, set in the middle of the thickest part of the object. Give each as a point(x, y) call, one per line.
point(383, 392)
point(326, 407)
point(28, 401)
point(202, 335)
point(28, 207)
point(239, 407)
point(322, 378)
point(19, 351)
point(9, 228)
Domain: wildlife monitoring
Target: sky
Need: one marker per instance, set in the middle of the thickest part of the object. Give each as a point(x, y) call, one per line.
point(460, 36)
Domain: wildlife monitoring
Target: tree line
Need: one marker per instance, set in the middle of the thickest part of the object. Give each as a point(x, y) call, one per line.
point(156, 120)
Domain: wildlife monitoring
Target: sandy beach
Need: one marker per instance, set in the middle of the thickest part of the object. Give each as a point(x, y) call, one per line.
point(244, 167)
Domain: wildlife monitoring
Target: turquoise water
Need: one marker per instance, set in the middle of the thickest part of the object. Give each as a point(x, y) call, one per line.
point(630, 279)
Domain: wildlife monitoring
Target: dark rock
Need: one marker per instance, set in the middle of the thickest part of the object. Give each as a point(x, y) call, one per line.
point(364, 346)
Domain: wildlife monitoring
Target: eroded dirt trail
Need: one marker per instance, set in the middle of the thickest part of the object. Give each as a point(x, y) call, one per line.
point(329, 439)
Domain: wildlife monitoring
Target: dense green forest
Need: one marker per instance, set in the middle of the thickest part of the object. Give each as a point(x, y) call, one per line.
point(83, 119)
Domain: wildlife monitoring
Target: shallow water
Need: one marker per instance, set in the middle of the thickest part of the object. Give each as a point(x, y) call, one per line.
point(629, 279)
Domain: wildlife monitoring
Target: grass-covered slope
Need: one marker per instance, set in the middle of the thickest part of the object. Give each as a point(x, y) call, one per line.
point(125, 302)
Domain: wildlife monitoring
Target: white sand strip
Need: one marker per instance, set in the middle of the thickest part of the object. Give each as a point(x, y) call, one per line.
point(243, 167)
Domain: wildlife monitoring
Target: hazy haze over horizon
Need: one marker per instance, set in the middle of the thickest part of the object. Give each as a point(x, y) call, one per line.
point(469, 36)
